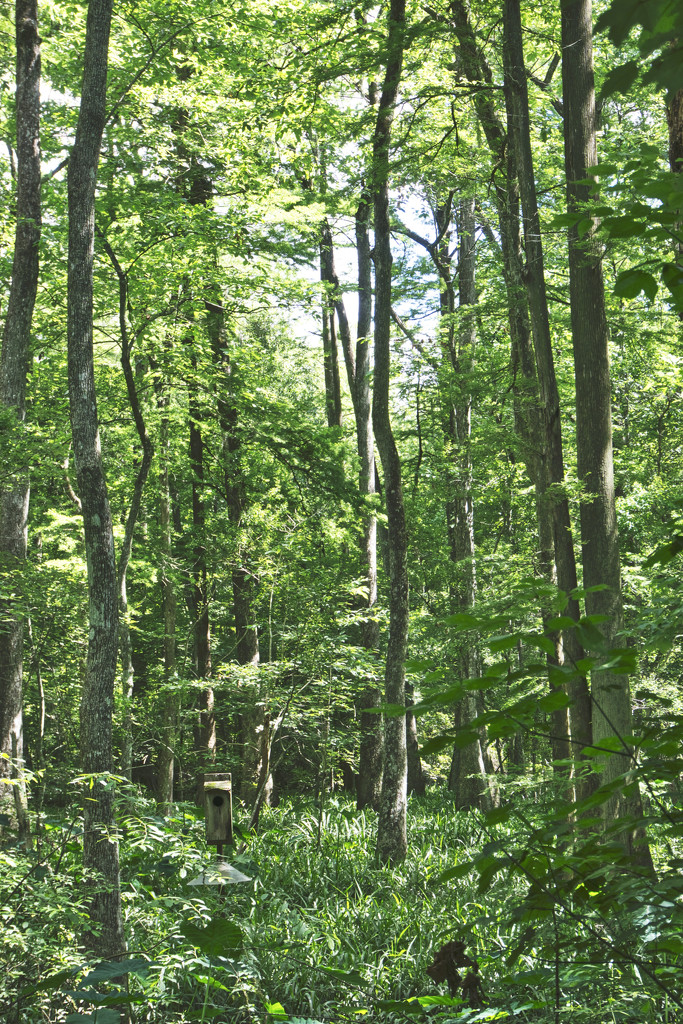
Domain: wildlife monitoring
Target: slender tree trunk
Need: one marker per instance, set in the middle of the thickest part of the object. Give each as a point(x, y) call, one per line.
point(467, 777)
point(199, 592)
point(674, 119)
point(14, 487)
point(468, 762)
point(610, 692)
point(170, 696)
point(254, 721)
point(330, 285)
point(100, 849)
point(569, 650)
point(391, 832)
point(416, 775)
point(371, 752)
point(358, 366)
point(125, 644)
point(246, 631)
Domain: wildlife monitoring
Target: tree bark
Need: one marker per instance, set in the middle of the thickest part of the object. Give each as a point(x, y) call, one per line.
point(569, 651)
point(358, 366)
point(391, 831)
point(330, 285)
point(468, 773)
point(100, 849)
point(674, 120)
point(170, 696)
point(15, 487)
point(125, 645)
point(610, 693)
point(199, 590)
point(371, 753)
point(254, 721)
point(532, 425)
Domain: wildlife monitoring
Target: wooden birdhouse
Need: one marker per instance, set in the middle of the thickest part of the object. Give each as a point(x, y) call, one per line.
point(218, 808)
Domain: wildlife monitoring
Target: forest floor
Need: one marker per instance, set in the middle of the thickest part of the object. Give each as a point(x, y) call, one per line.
point(320, 933)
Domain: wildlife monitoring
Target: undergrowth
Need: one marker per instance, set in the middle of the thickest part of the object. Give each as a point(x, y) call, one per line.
point(321, 933)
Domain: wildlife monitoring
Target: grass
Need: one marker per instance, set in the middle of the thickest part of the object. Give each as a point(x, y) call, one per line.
point(321, 933)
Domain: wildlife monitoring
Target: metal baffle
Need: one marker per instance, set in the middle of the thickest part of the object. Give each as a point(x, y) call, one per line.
point(218, 808)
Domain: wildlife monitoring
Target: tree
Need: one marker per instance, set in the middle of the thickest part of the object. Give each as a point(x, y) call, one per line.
point(16, 342)
point(610, 691)
point(100, 847)
point(391, 834)
point(553, 491)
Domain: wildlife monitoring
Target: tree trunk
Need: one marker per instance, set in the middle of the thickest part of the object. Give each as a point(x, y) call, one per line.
point(255, 721)
point(610, 692)
point(468, 762)
point(125, 644)
point(371, 753)
point(531, 423)
point(16, 342)
point(674, 119)
point(170, 696)
point(569, 650)
point(358, 366)
point(100, 850)
point(391, 832)
point(199, 591)
point(333, 404)
point(416, 775)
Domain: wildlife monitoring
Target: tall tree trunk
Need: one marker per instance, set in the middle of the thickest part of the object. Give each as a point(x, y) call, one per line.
point(391, 831)
point(199, 590)
point(371, 752)
point(530, 422)
point(100, 849)
point(196, 187)
point(330, 285)
point(358, 366)
point(467, 777)
point(468, 773)
point(610, 694)
point(255, 723)
point(14, 488)
point(569, 650)
point(674, 119)
point(125, 644)
point(170, 696)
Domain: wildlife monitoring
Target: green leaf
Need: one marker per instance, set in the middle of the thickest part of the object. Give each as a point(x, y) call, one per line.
point(666, 553)
point(502, 643)
point(102, 1016)
point(459, 871)
point(561, 622)
point(589, 635)
point(630, 283)
point(390, 710)
point(276, 1010)
point(497, 815)
point(219, 938)
point(463, 620)
point(110, 969)
point(352, 977)
point(49, 984)
point(554, 701)
point(487, 872)
point(436, 744)
point(621, 78)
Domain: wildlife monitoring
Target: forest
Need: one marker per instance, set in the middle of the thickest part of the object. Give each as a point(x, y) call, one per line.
point(341, 511)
